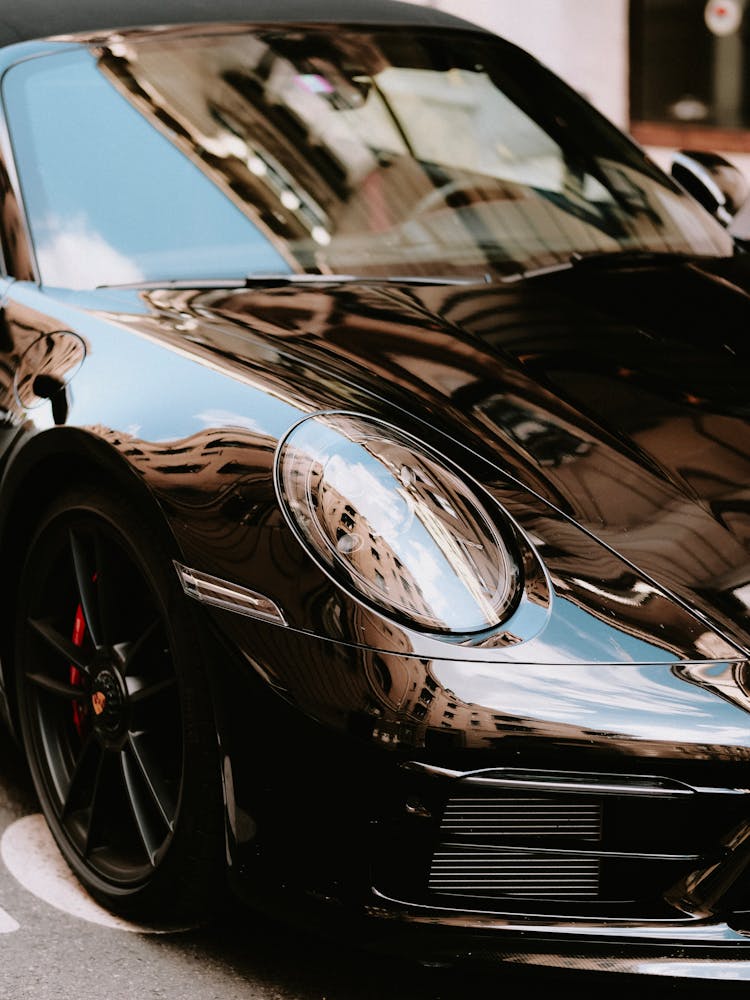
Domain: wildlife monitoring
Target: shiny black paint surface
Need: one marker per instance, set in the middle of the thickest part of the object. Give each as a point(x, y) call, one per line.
point(639, 660)
point(603, 407)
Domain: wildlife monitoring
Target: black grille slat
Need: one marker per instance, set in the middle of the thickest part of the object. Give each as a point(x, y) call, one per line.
point(505, 869)
point(456, 870)
point(522, 816)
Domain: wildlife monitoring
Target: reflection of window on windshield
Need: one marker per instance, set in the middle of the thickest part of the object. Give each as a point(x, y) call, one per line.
point(372, 153)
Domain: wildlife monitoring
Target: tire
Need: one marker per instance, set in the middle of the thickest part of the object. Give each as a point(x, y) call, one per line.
point(116, 712)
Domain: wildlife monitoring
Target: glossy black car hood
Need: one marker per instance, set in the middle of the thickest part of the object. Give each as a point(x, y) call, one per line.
point(617, 394)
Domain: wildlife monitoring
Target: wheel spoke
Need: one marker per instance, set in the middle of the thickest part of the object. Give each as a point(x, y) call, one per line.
point(139, 795)
point(139, 695)
point(70, 691)
point(100, 800)
point(135, 648)
point(87, 588)
point(153, 779)
point(84, 781)
point(60, 643)
point(109, 601)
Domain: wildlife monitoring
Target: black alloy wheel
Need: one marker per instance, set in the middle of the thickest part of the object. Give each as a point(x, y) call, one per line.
point(115, 711)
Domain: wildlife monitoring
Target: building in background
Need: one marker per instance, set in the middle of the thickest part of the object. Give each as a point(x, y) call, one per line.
point(689, 81)
point(584, 41)
point(674, 73)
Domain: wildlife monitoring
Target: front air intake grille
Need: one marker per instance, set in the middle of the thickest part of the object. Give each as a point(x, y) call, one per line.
point(523, 817)
point(459, 870)
point(602, 846)
point(477, 858)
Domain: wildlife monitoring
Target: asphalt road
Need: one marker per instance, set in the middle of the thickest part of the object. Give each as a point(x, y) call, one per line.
point(50, 954)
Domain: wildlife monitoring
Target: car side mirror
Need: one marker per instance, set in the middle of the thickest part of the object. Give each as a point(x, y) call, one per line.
point(716, 183)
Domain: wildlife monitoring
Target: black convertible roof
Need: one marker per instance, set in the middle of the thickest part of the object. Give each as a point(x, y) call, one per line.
point(27, 19)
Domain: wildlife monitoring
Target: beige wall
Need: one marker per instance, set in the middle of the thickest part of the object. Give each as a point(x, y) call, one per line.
point(584, 41)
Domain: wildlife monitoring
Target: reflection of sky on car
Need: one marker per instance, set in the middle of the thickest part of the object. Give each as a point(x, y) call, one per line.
point(645, 701)
point(573, 632)
point(62, 109)
point(449, 587)
point(143, 402)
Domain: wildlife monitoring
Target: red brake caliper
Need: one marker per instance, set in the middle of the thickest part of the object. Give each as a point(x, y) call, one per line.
point(79, 632)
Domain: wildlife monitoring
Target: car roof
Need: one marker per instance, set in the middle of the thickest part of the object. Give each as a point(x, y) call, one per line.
point(29, 19)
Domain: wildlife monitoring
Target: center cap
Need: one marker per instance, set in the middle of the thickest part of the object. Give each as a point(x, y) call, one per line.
point(107, 701)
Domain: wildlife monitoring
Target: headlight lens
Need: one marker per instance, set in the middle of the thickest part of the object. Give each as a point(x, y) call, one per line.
point(396, 527)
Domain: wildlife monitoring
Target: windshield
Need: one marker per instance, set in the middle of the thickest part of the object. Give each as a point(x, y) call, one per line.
point(183, 155)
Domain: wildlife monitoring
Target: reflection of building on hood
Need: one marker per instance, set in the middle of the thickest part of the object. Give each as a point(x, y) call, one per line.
point(546, 441)
point(12, 224)
point(334, 327)
point(213, 458)
point(729, 680)
point(369, 554)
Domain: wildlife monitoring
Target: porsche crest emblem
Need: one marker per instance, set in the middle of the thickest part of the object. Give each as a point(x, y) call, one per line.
point(99, 702)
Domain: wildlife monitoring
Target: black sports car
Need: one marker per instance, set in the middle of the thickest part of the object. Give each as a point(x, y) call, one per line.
point(375, 499)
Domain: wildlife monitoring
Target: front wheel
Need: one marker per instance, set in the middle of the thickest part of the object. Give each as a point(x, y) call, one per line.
point(115, 711)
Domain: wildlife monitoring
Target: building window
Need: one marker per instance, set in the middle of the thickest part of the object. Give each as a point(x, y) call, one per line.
point(382, 673)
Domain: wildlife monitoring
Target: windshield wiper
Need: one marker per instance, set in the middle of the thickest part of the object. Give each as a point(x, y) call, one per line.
point(284, 280)
point(361, 279)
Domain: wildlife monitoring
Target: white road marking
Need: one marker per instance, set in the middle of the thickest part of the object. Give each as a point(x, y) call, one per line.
point(7, 923)
point(33, 859)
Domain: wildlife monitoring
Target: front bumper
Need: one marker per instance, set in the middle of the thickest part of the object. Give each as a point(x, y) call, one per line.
point(568, 870)
point(698, 950)
point(530, 844)
point(690, 951)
